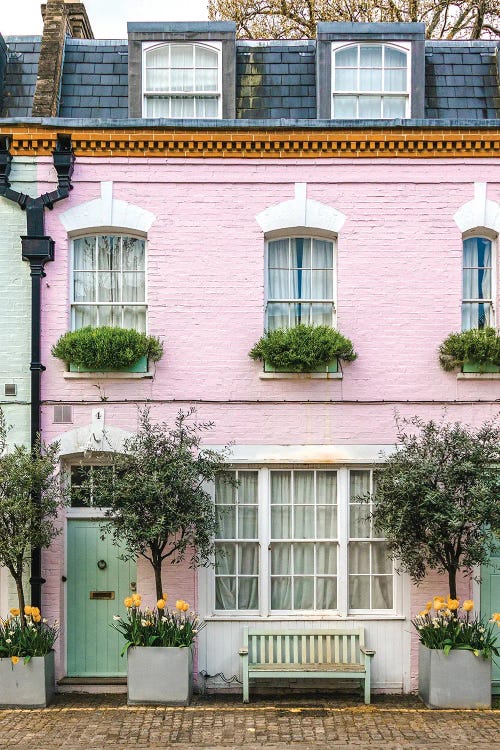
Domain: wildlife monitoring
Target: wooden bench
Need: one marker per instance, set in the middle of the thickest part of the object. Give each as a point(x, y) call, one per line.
point(308, 653)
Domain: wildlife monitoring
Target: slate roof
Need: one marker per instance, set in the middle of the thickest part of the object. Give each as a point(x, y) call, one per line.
point(20, 75)
point(275, 80)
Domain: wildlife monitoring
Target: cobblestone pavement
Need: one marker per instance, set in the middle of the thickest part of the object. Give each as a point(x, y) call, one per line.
point(102, 722)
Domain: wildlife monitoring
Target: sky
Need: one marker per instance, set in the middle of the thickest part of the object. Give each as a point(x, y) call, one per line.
point(108, 18)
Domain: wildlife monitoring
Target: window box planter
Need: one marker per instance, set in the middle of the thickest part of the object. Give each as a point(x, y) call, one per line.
point(470, 366)
point(332, 366)
point(459, 680)
point(160, 676)
point(30, 685)
point(140, 366)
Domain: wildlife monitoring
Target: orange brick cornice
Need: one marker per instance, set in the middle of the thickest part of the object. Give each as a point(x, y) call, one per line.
point(279, 142)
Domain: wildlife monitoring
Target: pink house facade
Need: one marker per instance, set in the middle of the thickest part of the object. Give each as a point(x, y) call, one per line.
point(397, 230)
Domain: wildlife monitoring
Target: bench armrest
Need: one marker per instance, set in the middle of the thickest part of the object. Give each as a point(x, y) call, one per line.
point(243, 652)
point(367, 651)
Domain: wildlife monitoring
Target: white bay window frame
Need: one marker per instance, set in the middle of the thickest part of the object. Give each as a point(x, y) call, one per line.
point(184, 94)
point(264, 524)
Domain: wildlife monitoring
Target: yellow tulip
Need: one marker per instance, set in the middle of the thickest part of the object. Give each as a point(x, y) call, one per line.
point(185, 607)
point(35, 612)
point(495, 616)
point(14, 612)
point(14, 659)
point(438, 603)
point(136, 598)
point(164, 596)
point(423, 613)
point(179, 604)
point(161, 603)
point(428, 606)
point(453, 604)
point(37, 618)
point(128, 602)
point(27, 610)
point(468, 605)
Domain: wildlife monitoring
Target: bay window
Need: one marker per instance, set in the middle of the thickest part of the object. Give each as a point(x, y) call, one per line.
point(299, 540)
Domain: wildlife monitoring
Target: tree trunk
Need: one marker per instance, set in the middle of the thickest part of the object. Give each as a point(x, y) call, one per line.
point(20, 598)
point(158, 583)
point(452, 582)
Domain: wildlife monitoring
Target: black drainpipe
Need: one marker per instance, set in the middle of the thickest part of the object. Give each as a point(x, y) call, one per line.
point(37, 249)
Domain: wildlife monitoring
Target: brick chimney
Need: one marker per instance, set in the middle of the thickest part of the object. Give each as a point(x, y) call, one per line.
point(60, 19)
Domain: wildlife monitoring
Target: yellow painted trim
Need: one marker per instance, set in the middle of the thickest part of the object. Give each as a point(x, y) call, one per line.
point(262, 143)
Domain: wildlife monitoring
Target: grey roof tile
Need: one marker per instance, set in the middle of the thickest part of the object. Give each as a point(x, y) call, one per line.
point(20, 75)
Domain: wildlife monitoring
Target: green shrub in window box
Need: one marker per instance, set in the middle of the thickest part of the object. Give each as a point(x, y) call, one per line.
point(303, 348)
point(476, 350)
point(107, 349)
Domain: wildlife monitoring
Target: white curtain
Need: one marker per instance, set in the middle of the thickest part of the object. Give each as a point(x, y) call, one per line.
point(477, 262)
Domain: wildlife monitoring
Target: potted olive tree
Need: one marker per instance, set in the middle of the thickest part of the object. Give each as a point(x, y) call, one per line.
point(30, 496)
point(436, 502)
point(159, 507)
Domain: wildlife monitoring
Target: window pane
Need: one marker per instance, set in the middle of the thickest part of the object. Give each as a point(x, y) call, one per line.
point(382, 592)
point(181, 106)
point(226, 521)
point(304, 521)
point(301, 284)
point(278, 254)
point(157, 79)
point(108, 286)
point(322, 254)
point(110, 315)
point(322, 285)
point(395, 80)
point(157, 106)
point(157, 57)
point(477, 252)
point(206, 80)
point(281, 522)
point(84, 254)
point(225, 593)
point(326, 522)
point(359, 484)
point(248, 487)
point(322, 315)
point(300, 314)
point(281, 558)
point(394, 58)
point(248, 593)
point(84, 286)
point(476, 315)
point(370, 107)
point(84, 316)
point(135, 317)
point(300, 252)
point(359, 521)
point(371, 55)
point(345, 107)
point(346, 79)
point(326, 593)
point(247, 522)
point(225, 493)
point(225, 559)
point(133, 289)
point(381, 562)
point(109, 253)
point(181, 56)
point(370, 80)
point(279, 284)
point(281, 487)
point(133, 254)
point(477, 283)
point(303, 593)
point(281, 593)
point(303, 487)
point(394, 106)
point(277, 316)
point(347, 57)
point(359, 557)
point(326, 487)
point(248, 559)
point(207, 106)
point(326, 558)
point(206, 58)
point(359, 592)
point(303, 559)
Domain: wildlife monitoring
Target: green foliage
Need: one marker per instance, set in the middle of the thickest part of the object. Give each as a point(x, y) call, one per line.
point(106, 348)
point(158, 628)
point(437, 497)
point(33, 637)
point(31, 493)
point(476, 345)
point(156, 497)
point(449, 631)
point(303, 348)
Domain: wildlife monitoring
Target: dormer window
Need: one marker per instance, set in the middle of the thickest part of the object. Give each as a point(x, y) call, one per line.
point(182, 80)
point(370, 81)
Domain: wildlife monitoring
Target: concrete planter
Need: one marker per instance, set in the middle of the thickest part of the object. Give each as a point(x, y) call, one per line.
point(160, 676)
point(470, 366)
point(140, 366)
point(332, 366)
point(459, 680)
point(30, 685)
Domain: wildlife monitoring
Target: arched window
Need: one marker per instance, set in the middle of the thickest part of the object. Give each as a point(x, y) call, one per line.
point(370, 81)
point(182, 81)
point(108, 281)
point(300, 282)
point(477, 295)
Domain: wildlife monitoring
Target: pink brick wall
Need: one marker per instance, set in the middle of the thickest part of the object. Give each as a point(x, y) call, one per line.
point(399, 292)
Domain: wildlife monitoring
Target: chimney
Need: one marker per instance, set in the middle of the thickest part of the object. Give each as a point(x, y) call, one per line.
point(60, 19)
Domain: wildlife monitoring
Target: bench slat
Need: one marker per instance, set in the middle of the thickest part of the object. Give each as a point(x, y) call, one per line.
point(306, 667)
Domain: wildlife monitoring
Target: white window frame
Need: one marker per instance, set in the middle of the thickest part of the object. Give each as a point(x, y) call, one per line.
point(104, 233)
point(309, 236)
point(493, 238)
point(213, 46)
point(264, 524)
point(404, 47)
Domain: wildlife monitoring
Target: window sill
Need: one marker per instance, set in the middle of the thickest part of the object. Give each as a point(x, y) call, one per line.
point(300, 375)
point(107, 375)
point(478, 376)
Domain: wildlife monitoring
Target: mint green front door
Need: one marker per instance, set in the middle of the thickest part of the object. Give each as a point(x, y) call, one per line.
point(97, 584)
point(490, 602)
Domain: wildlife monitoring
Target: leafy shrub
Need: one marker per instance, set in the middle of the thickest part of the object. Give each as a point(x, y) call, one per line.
point(106, 348)
point(477, 345)
point(303, 348)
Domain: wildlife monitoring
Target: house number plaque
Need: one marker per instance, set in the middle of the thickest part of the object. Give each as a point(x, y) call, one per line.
point(102, 595)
